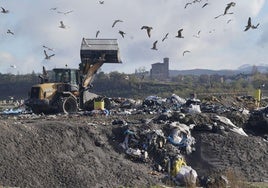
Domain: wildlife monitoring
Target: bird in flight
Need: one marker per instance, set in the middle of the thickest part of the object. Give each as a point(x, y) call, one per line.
point(122, 33)
point(85, 42)
point(154, 45)
point(198, 34)
point(148, 29)
point(62, 25)
point(10, 32)
point(165, 37)
point(187, 5)
point(65, 13)
point(249, 25)
point(179, 34)
point(185, 51)
point(255, 26)
point(4, 10)
point(116, 21)
point(101, 2)
point(48, 56)
point(51, 49)
point(97, 33)
point(13, 66)
point(229, 5)
point(204, 5)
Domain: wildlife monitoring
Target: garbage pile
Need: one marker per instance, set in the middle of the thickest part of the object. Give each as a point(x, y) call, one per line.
point(167, 138)
point(166, 132)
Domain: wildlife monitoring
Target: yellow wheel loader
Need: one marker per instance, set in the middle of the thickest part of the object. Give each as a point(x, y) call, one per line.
point(65, 90)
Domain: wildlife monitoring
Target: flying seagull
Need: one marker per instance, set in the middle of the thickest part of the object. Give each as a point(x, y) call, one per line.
point(101, 2)
point(85, 42)
point(148, 29)
point(165, 37)
point(13, 66)
point(97, 33)
point(65, 13)
point(48, 56)
point(62, 25)
point(249, 25)
point(51, 49)
point(198, 34)
point(122, 33)
point(229, 5)
point(179, 34)
point(255, 26)
point(154, 45)
point(4, 10)
point(116, 21)
point(186, 51)
point(187, 5)
point(204, 5)
point(10, 32)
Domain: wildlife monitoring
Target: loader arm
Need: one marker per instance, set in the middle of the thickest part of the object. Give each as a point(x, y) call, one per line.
point(94, 53)
point(90, 70)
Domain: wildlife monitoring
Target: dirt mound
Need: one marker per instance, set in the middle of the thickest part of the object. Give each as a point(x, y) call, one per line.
point(68, 152)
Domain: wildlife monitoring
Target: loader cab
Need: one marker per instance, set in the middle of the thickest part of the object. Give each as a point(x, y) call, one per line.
point(70, 76)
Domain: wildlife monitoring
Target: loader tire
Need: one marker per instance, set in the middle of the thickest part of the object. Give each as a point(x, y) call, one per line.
point(69, 105)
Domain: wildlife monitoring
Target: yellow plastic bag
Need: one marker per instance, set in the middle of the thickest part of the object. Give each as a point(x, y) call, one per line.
point(177, 166)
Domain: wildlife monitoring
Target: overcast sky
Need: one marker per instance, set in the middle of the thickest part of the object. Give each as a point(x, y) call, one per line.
point(221, 44)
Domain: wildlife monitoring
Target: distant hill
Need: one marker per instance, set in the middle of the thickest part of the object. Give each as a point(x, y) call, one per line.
point(245, 69)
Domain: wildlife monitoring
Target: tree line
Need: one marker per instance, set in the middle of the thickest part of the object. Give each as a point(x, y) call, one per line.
point(115, 84)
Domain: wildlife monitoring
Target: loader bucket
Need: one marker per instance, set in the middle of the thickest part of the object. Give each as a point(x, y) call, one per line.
point(93, 49)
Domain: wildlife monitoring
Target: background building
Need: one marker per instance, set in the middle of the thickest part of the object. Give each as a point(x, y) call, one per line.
point(160, 71)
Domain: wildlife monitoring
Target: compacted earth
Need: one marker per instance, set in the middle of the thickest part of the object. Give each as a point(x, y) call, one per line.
point(86, 150)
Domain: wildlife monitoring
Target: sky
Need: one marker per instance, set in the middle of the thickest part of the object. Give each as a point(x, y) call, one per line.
point(221, 44)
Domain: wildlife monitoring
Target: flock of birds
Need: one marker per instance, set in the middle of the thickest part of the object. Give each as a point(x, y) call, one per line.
point(147, 28)
point(179, 33)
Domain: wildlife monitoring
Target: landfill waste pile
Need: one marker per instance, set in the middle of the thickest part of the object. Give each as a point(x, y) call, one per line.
point(213, 142)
